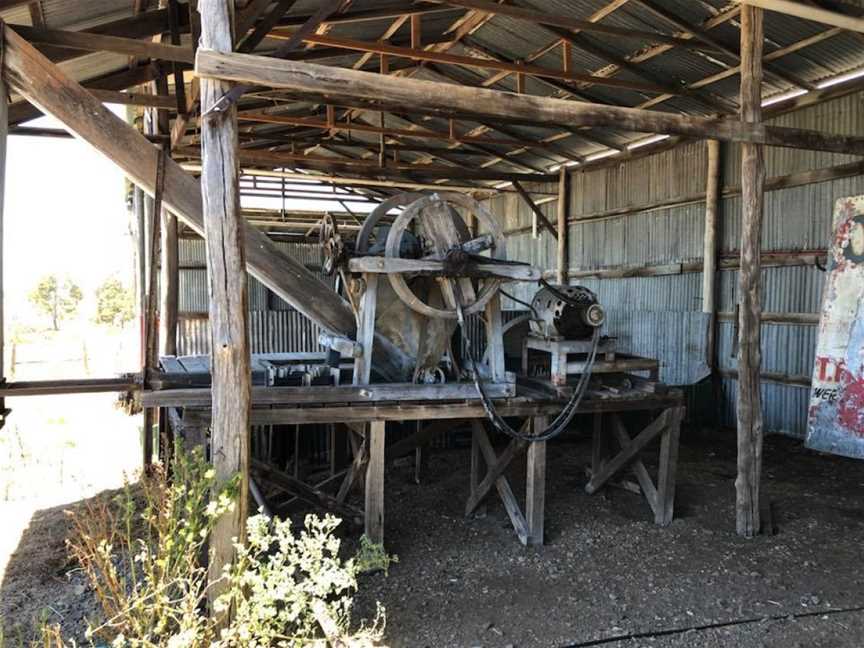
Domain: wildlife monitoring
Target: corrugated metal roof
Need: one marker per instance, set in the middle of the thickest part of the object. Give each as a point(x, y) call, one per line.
point(514, 40)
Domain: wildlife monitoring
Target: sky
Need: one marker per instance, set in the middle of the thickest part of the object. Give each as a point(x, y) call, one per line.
point(65, 213)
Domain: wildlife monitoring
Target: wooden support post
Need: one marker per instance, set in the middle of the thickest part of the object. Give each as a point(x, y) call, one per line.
point(226, 271)
point(563, 217)
point(416, 32)
point(535, 486)
point(150, 333)
point(140, 216)
point(495, 340)
point(169, 284)
point(366, 330)
point(4, 132)
point(749, 282)
point(375, 483)
point(711, 249)
point(710, 259)
point(665, 508)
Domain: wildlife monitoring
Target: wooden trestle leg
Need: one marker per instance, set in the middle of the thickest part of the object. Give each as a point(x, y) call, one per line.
point(375, 483)
point(535, 486)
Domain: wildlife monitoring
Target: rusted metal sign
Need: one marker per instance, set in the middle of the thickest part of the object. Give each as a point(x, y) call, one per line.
point(836, 416)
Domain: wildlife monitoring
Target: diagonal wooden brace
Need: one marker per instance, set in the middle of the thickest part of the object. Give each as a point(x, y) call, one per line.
point(642, 476)
point(496, 467)
point(628, 453)
point(501, 483)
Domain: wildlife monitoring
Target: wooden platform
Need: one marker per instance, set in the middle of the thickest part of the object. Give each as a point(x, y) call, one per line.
point(365, 410)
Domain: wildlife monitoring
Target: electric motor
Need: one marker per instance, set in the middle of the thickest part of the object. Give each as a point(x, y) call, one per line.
point(566, 312)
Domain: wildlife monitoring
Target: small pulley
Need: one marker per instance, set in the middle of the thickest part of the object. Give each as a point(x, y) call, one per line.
point(331, 244)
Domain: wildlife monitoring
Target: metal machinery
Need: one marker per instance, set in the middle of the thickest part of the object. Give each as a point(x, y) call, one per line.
point(435, 274)
point(566, 312)
point(565, 322)
point(438, 273)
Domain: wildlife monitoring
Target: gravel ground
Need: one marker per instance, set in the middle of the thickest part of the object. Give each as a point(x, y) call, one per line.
point(606, 576)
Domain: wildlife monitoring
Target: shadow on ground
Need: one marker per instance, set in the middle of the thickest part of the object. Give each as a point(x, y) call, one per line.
point(606, 576)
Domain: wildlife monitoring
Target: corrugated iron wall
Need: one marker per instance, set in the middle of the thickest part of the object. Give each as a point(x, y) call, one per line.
point(274, 327)
point(661, 316)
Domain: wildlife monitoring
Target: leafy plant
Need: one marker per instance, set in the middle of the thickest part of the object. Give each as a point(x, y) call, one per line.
point(143, 554)
point(372, 557)
point(115, 304)
point(285, 589)
point(59, 300)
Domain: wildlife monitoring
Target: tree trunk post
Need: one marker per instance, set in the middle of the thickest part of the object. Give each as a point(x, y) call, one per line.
point(710, 253)
point(226, 271)
point(749, 283)
point(563, 214)
point(169, 284)
point(4, 132)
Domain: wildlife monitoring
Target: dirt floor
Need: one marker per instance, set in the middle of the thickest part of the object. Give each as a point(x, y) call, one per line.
point(606, 576)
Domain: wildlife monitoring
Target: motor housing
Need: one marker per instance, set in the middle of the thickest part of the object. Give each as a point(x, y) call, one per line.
point(566, 312)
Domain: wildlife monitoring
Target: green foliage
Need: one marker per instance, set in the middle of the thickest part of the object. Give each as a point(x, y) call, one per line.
point(285, 589)
point(115, 304)
point(143, 554)
point(372, 557)
point(58, 300)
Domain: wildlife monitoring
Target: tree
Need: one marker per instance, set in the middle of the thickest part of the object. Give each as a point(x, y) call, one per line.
point(114, 303)
point(57, 300)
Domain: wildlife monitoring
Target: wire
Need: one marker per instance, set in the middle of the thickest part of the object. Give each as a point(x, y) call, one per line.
point(519, 301)
point(561, 421)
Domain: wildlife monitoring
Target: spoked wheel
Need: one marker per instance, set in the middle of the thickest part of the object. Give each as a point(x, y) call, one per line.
point(446, 235)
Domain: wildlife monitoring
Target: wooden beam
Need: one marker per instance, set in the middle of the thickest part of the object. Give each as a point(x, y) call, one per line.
point(395, 10)
point(98, 43)
point(43, 83)
point(809, 12)
point(226, 272)
point(37, 16)
point(360, 127)
point(348, 87)
point(481, 63)
point(568, 22)
point(358, 181)
point(705, 37)
point(22, 111)
point(747, 484)
point(12, 4)
point(68, 386)
point(305, 492)
point(538, 213)
point(267, 22)
point(278, 159)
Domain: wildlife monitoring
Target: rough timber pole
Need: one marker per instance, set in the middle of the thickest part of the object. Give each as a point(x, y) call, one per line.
point(4, 131)
point(226, 272)
point(710, 249)
point(169, 285)
point(563, 214)
point(749, 288)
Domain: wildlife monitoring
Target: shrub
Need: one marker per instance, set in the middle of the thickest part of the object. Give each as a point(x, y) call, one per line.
point(144, 557)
